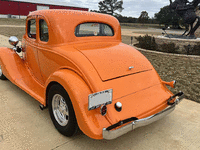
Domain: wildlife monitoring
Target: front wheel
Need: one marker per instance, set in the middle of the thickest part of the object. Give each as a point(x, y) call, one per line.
point(2, 77)
point(61, 111)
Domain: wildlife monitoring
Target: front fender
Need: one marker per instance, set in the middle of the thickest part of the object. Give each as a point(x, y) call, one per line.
point(5, 55)
point(90, 122)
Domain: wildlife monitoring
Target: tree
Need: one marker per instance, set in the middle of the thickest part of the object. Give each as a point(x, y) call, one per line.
point(124, 19)
point(109, 6)
point(143, 17)
point(166, 17)
point(152, 20)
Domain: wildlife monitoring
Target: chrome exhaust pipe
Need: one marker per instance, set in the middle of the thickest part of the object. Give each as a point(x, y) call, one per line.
point(42, 107)
point(174, 84)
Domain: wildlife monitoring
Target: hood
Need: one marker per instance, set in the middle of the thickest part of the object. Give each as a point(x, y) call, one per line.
point(113, 60)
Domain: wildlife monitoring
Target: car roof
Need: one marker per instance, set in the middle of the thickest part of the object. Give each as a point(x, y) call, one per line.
point(64, 22)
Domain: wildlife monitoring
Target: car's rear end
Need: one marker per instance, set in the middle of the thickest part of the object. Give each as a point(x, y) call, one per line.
point(133, 95)
point(135, 100)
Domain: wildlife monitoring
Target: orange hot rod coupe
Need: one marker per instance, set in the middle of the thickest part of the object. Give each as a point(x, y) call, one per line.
point(75, 63)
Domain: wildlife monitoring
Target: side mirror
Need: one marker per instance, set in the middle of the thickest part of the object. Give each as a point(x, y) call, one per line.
point(13, 40)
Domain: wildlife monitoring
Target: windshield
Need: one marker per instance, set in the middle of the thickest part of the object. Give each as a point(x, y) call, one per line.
point(93, 29)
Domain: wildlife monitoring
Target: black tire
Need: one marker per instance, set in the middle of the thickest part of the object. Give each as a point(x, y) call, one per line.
point(2, 77)
point(57, 116)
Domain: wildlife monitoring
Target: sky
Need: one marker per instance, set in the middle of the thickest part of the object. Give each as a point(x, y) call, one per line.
point(132, 8)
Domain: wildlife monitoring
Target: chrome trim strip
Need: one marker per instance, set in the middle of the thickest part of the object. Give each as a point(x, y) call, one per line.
point(112, 134)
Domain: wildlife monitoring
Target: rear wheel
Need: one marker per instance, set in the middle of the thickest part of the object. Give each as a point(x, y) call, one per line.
point(2, 77)
point(61, 111)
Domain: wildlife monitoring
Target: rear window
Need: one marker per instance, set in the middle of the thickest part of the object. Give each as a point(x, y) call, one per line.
point(93, 29)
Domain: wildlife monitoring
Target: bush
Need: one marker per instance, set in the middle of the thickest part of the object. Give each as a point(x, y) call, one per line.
point(169, 48)
point(146, 42)
point(149, 43)
point(196, 50)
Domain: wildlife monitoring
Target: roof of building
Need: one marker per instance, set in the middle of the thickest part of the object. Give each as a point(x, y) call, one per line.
point(49, 2)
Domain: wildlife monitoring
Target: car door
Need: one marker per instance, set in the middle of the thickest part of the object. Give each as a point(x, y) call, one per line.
point(31, 48)
point(49, 60)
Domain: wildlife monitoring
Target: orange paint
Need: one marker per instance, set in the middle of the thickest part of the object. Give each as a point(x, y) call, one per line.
point(85, 65)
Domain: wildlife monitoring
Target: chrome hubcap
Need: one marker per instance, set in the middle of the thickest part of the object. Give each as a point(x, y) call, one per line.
point(60, 110)
point(0, 71)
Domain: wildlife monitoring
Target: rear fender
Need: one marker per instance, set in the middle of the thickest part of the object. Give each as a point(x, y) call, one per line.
point(90, 122)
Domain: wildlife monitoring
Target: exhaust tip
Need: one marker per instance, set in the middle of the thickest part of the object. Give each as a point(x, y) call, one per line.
point(42, 107)
point(174, 83)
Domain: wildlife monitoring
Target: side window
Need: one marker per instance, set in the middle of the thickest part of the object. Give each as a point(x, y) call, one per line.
point(32, 28)
point(44, 33)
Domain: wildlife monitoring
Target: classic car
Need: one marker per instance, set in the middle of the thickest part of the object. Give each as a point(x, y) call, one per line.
point(75, 64)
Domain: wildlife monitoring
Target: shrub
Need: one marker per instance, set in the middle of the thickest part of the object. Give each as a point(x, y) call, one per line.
point(196, 50)
point(169, 48)
point(146, 42)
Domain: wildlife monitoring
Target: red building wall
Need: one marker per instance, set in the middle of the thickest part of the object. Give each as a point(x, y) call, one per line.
point(23, 8)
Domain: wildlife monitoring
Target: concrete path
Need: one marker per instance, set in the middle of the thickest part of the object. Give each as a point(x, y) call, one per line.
point(24, 126)
point(4, 41)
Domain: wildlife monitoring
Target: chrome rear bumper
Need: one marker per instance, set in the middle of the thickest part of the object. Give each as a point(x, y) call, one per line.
point(112, 134)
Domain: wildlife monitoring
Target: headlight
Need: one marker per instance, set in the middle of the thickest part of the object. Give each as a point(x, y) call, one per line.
point(95, 100)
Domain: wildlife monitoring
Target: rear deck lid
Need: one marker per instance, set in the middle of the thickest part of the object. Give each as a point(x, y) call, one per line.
point(114, 60)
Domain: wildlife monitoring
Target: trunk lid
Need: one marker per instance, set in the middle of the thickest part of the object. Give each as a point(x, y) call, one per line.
point(112, 60)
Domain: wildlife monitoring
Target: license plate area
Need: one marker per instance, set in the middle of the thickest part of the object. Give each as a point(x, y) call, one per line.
point(95, 100)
